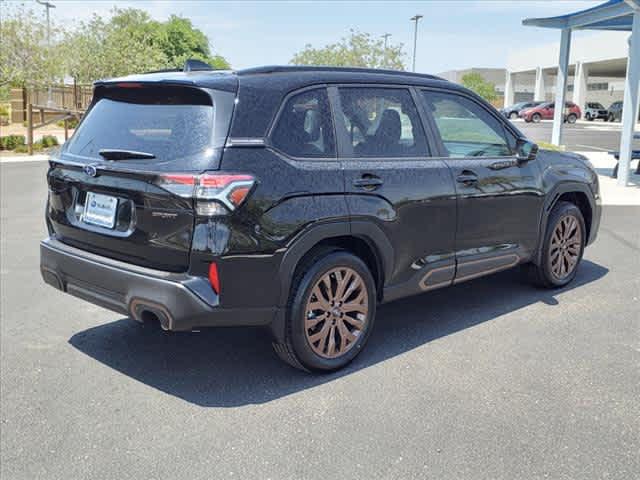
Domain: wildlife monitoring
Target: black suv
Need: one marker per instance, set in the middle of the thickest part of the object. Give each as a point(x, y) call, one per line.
point(299, 198)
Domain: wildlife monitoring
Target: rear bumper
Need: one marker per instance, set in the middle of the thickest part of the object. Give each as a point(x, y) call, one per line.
point(180, 301)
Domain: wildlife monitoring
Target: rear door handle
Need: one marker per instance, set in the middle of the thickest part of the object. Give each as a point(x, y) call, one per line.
point(467, 177)
point(368, 182)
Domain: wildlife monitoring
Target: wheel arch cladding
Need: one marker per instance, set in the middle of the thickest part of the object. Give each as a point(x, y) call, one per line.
point(575, 193)
point(367, 242)
point(580, 200)
point(358, 246)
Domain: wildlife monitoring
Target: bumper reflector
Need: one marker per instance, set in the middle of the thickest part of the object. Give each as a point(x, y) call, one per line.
point(214, 280)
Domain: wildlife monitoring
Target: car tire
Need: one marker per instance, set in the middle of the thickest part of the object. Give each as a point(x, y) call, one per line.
point(513, 115)
point(589, 118)
point(317, 328)
point(572, 118)
point(612, 117)
point(562, 248)
point(536, 117)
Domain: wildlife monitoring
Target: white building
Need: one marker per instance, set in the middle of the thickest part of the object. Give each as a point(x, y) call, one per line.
point(597, 69)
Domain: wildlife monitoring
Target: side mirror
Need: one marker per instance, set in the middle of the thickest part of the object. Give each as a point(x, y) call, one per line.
point(526, 151)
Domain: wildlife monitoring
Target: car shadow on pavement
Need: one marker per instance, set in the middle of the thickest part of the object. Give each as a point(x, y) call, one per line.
point(228, 367)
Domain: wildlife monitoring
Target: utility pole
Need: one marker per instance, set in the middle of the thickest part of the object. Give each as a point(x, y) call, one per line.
point(48, 6)
point(385, 36)
point(415, 19)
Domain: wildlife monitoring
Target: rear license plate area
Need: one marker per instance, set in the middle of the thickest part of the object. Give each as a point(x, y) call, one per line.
point(100, 210)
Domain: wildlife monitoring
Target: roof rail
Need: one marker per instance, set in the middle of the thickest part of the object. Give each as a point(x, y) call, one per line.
point(324, 68)
point(193, 65)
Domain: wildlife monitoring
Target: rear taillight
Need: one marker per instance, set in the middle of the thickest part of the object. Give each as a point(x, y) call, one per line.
point(214, 193)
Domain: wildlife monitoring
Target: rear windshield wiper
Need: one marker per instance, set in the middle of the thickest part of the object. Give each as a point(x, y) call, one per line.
point(116, 154)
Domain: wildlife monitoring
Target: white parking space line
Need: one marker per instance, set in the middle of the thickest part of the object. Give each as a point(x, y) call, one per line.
point(599, 128)
point(593, 148)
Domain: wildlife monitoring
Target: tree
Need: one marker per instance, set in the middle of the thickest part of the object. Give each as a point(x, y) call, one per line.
point(84, 51)
point(476, 82)
point(126, 43)
point(25, 58)
point(131, 42)
point(357, 50)
point(179, 41)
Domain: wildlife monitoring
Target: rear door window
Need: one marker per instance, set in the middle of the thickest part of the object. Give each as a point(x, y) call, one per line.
point(304, 128)
point(381, 122)
point(174, 124)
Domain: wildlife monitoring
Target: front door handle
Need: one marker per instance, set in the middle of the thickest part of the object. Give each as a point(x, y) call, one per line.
point(467, 177)
point(368, 182)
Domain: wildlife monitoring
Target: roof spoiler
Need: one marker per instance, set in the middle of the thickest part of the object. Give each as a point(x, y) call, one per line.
point(193, 65)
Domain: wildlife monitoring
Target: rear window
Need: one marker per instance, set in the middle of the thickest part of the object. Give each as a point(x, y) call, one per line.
point(174, 124)
point(304, 128)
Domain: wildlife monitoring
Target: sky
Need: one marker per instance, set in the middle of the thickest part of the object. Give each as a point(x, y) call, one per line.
point(454, 34)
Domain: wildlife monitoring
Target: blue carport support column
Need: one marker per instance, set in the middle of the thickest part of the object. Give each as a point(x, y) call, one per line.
point(630, 103)
point(561, 86)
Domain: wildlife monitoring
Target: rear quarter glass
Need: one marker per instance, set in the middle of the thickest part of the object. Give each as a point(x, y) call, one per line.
point(185, 128)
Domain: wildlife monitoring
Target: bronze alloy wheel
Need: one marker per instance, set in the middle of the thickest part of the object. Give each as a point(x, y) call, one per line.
point(337, 312)
point(566, 243)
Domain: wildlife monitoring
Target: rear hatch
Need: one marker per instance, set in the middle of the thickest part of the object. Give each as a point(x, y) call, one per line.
point(107, 186)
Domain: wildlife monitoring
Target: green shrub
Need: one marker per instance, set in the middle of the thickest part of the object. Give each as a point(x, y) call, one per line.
point(4, 111)
point(49, 141)
point(71, 123)
point(10, 142)
point(17, 143)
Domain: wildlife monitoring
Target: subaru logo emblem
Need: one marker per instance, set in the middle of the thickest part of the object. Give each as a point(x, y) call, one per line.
point(91, 170)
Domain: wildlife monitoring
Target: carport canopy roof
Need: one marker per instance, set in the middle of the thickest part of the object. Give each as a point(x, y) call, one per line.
point(622, 15)
point(611, 15)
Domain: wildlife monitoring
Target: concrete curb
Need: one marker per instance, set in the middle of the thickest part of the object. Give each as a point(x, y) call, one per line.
point(43, 157)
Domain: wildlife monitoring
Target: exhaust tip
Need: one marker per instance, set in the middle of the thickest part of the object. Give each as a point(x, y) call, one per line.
point(147, 316)
point(148, 312)
point(50, 277)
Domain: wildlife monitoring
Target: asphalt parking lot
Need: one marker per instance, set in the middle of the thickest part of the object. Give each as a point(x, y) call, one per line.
point(488, 379)
point(581, 136)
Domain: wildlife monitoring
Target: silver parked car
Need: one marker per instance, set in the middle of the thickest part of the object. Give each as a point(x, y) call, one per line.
point(595, 110)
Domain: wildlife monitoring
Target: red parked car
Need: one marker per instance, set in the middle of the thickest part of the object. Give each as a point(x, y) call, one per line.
point(545, 112)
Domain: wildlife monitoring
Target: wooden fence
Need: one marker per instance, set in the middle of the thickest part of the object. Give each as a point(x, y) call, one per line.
point(47, 116)
point(69, 97)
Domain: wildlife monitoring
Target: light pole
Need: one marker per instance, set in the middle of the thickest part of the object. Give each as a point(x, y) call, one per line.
point(385, 36)
point(48, 6)
point(415, 19)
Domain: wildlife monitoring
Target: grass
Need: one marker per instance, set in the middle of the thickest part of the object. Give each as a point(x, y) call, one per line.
point(551, 146)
